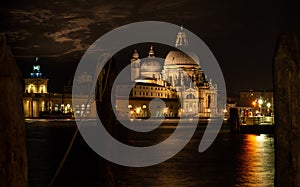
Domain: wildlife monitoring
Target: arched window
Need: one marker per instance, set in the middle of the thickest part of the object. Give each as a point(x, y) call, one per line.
point(208, 101)
point(190, 96)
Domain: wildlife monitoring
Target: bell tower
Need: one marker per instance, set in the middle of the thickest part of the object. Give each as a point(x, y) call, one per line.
point(181, 40)
point(135, 66)
point(36, 83)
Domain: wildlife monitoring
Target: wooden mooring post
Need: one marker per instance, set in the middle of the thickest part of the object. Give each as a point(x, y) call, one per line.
point(106, 114)
point(13, 156)
point(287, 111)
point(234, 121)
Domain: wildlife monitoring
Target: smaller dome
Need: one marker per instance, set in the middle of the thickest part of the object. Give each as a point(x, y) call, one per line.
point(151, 52)
point(135, 54)
point(150, 65)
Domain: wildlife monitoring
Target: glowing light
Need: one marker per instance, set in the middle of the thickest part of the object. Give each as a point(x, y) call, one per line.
point(260, 101)
point(144, 106)
point(138, 110)
point(129, 106)
point(268, 105)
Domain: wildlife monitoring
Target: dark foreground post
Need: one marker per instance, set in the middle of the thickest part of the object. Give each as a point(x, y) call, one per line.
point(234, 121)
point(106, 114)
point(287, 111)
point(13, 159)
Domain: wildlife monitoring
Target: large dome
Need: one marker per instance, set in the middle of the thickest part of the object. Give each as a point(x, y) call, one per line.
point(151, 65)
point(180, 58)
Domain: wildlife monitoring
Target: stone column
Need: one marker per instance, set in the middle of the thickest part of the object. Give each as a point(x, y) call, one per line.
point(13, 156)
point(287, 111)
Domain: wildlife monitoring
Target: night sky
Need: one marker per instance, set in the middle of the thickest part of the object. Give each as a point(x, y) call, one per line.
point(242, 35)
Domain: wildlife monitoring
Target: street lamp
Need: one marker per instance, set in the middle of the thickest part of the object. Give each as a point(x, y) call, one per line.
point(130, 111)
point(268, 110)
point(260, 102)
point(144, 110)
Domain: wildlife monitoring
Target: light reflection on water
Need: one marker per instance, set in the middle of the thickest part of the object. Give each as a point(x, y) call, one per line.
point(256, 161)
point(232, 160)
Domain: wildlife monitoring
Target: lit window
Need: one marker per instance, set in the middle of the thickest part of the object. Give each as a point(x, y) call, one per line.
point(88, 108)
point(56, 107)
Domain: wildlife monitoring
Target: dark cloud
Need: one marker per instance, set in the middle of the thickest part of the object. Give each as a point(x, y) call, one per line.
point(241, 34)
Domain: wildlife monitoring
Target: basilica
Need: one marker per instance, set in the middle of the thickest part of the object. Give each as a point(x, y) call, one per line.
point(178, 80)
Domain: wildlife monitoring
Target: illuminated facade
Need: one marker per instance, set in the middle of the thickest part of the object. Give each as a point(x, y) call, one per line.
point(37, 102)
point(180, 82)
point(140, 97)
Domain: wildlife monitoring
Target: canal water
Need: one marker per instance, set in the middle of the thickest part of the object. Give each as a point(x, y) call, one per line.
point(232, 160)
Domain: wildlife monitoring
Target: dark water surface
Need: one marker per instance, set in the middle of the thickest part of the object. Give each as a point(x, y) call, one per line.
point(232, 160)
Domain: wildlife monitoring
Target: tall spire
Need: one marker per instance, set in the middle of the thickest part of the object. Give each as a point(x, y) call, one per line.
point(181, 39)
point(151, 52)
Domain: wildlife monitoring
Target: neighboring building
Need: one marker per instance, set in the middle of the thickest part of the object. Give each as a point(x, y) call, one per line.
point(37, 102)
point(256, 104)
point(180, 82)
point(84, 105)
